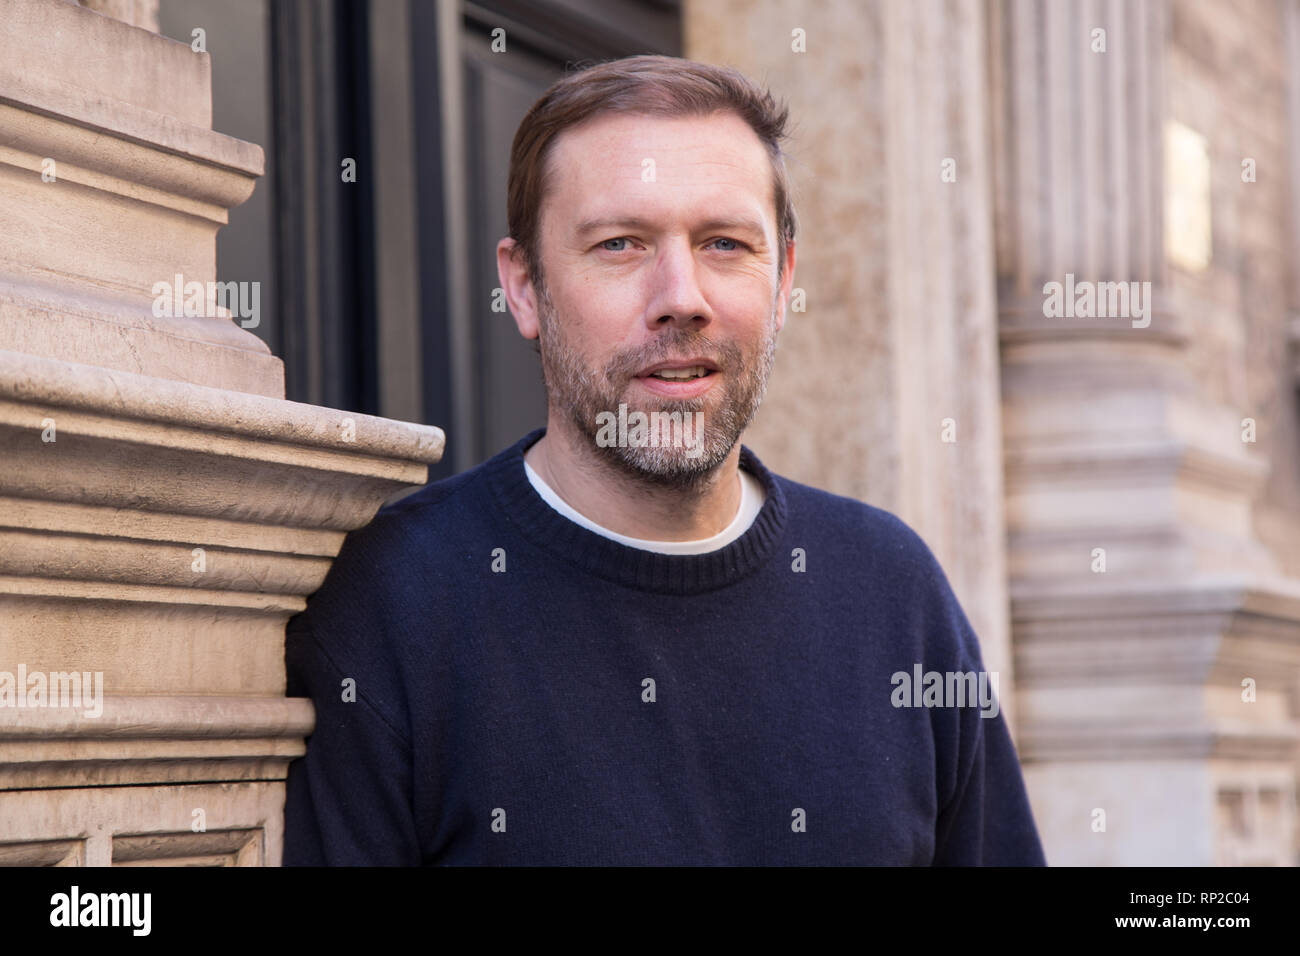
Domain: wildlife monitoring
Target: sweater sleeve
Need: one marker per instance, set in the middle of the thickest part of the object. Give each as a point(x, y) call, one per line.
point(348, 800)
point(984, 816)
point(988, 821)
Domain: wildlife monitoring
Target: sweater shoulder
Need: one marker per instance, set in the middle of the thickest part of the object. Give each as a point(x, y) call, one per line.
point(364, 619)
point(437, 507)
point(385, 563)
point(431, 497)
point(873, 530)
point(885, 555)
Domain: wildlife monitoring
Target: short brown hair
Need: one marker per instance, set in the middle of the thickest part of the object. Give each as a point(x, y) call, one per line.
point(655, 85)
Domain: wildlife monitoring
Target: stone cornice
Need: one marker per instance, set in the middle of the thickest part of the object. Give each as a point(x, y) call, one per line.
point(186, 169)
point(141, 512)
point(1164, 458)
point(122, 396)
point(148, 739)
point(1154, 669)
point(1144, 741)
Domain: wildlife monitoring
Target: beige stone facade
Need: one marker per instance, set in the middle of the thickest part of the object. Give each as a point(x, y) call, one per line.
point(165, 510)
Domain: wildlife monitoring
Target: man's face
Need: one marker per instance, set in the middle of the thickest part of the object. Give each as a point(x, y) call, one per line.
point(658, 247)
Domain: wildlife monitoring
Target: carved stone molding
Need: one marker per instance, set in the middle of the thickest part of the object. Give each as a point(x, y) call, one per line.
point(163, 510)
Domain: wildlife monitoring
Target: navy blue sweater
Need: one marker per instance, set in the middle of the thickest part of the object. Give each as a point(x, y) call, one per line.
point(495, 684)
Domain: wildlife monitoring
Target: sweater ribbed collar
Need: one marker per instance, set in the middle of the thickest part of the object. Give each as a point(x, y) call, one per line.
point(620, 563)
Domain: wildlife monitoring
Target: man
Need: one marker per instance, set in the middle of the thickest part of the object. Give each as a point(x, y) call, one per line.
point(623, 640)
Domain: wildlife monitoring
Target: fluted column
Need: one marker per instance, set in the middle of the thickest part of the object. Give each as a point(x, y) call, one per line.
point(1142, 601)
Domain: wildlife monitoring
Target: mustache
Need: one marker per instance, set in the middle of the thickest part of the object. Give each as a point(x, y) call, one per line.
point(680, 345)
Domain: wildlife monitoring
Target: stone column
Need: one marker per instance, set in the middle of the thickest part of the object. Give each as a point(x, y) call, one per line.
point(138, 13)
point(1145, 612)
point(165, 510)
point(886, 385)
point(1291, 25)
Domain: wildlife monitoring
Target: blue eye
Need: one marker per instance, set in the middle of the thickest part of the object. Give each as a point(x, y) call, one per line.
point(607, 241)
point(736, 245)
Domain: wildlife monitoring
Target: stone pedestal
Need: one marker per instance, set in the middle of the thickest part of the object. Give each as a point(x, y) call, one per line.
point(164, 509)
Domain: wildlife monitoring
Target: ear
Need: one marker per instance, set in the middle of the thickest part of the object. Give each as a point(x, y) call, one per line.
point(520, 295)
point(787, 283)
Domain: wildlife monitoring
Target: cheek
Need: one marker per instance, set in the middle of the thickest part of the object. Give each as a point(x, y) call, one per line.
point(597, 316)
point(581, 309)
point(590, 323)
point(745, 291)
point(746, 311)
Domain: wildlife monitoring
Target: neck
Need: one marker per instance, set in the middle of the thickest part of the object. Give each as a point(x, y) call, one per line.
point(629, 505)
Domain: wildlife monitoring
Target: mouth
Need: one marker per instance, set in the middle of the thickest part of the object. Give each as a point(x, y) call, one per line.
point(684, 378)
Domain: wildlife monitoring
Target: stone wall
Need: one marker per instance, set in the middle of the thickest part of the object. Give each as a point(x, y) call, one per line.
point(165, 510)
point(1228, 79)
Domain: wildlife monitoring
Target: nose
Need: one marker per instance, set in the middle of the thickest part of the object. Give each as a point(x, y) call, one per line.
point(676, 298)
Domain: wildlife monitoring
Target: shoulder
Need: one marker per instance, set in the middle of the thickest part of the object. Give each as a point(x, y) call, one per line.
point(384, 577)
point(403, 530)
point(383, 570)
point(875, 537)
point(864, 547)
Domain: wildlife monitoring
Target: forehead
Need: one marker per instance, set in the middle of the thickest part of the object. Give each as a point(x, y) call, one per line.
point(616, 163)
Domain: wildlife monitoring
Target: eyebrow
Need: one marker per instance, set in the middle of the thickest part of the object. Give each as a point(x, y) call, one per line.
point(741, 224)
